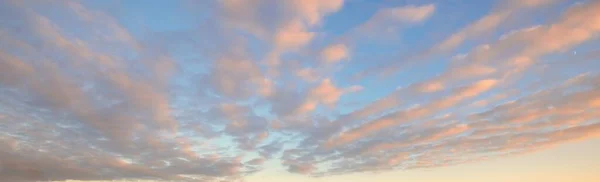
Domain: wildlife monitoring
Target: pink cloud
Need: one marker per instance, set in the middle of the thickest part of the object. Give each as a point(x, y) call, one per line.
point(335, 53)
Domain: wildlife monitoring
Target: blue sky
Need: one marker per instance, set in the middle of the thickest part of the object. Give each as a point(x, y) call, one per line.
point(311, 90)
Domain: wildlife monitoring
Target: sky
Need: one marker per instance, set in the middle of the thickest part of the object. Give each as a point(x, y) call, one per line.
point(299, 90)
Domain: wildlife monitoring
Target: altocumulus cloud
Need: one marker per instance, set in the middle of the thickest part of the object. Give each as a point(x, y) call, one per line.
point(87, 95)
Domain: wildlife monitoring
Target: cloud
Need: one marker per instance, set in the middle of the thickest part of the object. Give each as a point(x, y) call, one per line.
point(98, 94)
point(307, 74)
point(481, 26)
point(238, 78)
point(84, 96)
point(485, 25)
point(399, 117)
point(289, 32)
point(431, 87)
point(292, 36)
point(325, 93)
point(385, 19)
point(438, 134)
point(534, 42)
point(245, 15)
point(312, 11)
point(409, 13)
point(335, 53)
point(302, 169)
point(488, 23)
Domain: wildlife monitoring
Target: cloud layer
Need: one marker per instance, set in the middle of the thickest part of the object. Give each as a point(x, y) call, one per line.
point(85, 94)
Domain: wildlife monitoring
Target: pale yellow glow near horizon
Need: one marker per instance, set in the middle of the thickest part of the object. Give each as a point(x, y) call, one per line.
point(571, 162)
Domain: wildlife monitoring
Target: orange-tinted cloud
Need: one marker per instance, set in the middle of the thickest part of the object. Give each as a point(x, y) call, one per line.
point(335, 53)
point(85, 96)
